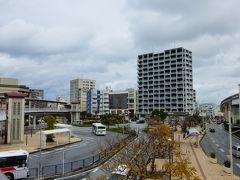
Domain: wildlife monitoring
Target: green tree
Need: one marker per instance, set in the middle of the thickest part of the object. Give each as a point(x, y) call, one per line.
point(51, 121)
point(163, 115)
point(83, 114)
point(107, 119)
point(156, 114)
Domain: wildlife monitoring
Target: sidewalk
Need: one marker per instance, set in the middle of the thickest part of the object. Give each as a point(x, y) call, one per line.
point(205, 169)
point(33, 143)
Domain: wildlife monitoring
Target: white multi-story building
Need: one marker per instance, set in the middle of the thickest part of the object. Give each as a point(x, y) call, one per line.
point(165, 82)
point(78, 90)
point(97, 102)
point(210, 109)
point(195, 104)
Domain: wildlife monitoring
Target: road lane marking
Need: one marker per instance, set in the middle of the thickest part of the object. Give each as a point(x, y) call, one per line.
point(46, 153)
point(237, 164)
point(95, 169)
point(217, 145)
point(73, 146)
point(222, 150)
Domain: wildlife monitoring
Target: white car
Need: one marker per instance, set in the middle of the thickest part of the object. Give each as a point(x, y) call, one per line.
point(236, 150)
point(40, 121)
point(120, 172)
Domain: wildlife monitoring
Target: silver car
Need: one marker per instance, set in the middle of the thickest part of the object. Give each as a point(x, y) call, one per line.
point(236, 150)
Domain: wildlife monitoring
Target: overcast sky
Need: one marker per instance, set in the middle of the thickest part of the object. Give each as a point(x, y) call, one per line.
point(46, 43)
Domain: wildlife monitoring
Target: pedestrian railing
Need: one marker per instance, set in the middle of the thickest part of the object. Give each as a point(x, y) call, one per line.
point(79, 165)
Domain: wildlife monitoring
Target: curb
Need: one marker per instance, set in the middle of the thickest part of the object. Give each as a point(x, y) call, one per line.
point(198, 163)
point(52, 148)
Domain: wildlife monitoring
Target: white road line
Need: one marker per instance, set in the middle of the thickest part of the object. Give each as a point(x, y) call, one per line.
point(217, 145)
point(237, 164)
point(95, 169)
point(221, 150)
point(73, 145)
point(46, 152)
point(59, 149)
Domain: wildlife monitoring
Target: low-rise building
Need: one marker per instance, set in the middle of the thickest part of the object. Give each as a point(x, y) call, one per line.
point(36, 94)
point(123, 102)
point(230, 108)
point(11, 85)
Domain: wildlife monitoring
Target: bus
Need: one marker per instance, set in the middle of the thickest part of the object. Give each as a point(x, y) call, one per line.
point(14, 164)
point(99, 129)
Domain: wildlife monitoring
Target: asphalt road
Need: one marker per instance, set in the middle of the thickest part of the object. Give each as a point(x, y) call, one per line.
point(218, 142)
point(86, 148)
point(99, 171)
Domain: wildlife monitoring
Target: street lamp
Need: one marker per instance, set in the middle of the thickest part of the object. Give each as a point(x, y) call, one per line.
point(40, 151)
point(169, 156)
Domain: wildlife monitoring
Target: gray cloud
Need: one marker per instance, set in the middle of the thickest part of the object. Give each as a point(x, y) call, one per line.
point(45, 43)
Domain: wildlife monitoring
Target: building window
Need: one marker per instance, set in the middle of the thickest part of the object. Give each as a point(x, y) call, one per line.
point(19, 109)
point(18, 128)
point(14, 129)
point(14, 108)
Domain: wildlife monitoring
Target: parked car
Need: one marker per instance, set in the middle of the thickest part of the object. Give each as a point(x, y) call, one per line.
point(236, 150)
point(120, 173)
point(42, 122)
point(211, 130)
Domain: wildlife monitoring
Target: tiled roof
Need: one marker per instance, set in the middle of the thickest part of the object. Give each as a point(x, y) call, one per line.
point(15, 94)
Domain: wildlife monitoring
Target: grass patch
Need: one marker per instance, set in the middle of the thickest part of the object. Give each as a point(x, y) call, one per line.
point(83, 125)
point(119, 130)
point(145, 130)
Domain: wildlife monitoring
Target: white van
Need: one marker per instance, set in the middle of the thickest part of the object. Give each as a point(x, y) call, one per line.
point(236, 150)
point(99, 129)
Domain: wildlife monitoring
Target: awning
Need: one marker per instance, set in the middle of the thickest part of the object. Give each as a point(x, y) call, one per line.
point(55, 131)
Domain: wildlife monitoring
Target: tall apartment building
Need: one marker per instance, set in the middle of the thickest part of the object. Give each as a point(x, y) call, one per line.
point(97, 102)
point(78, 91)
point(165, 82)
point(195, 105)
point(36, 94)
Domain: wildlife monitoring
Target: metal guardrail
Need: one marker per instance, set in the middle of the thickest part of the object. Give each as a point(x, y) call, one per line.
point(59, 169)
point(27, 110)
point(82, 164)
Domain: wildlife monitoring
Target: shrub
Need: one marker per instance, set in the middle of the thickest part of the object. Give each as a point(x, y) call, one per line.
point(227, 163)
point(213, 155)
